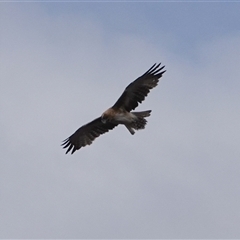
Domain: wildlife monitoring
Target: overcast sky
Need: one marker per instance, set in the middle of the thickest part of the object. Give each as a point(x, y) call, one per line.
point(63, 64)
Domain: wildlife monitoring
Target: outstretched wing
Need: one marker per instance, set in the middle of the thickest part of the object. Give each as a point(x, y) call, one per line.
point(86, 134)
point(136, 91)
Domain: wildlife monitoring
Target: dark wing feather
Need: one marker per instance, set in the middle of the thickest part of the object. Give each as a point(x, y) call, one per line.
point(136, 91)
point(86, 134)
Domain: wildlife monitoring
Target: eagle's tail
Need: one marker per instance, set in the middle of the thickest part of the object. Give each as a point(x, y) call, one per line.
point(140, 122)
point(142, 114)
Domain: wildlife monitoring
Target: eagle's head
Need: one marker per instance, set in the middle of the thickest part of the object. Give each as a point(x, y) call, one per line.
point(104, 118)
point(107, 116)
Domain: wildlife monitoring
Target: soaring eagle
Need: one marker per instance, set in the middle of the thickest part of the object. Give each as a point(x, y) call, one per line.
point(120, 112)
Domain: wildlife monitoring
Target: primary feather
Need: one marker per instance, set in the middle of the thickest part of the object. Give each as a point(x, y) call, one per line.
point(136, 91)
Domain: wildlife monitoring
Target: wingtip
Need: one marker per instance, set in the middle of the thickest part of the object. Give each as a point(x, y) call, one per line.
point(74, 149)
point(66, 144)
point(155, 68)
point(70, 147)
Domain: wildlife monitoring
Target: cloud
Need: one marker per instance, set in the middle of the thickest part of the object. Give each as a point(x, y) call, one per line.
point(176, 179)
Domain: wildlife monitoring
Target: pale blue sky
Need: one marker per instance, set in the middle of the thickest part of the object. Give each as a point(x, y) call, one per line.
point(188, 23)
point(63, 64)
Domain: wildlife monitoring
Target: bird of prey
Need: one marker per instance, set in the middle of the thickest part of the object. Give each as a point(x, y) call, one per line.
point(120, 112)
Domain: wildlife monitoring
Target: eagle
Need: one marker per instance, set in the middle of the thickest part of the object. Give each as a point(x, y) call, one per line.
point(120, 112)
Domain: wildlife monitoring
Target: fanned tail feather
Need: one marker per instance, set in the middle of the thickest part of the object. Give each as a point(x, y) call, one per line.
point(142, 114)
point(141, 122)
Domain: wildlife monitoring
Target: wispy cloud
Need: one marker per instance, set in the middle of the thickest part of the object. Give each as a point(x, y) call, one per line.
point(176, 179)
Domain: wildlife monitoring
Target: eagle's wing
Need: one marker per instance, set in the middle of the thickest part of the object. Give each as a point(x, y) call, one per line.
point(136, 91)
point(86, 134)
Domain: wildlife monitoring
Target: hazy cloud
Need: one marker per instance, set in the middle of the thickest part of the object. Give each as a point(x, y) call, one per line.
point(176, 179)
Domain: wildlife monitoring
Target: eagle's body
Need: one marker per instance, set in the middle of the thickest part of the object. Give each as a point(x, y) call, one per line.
point(132, 120)
point(119, 113)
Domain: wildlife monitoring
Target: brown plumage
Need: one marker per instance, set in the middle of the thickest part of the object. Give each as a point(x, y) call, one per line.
point(136, 91)
point(119, 113)
point(86, 134)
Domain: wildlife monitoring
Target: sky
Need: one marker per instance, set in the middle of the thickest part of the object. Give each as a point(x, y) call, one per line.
point(63, 64)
